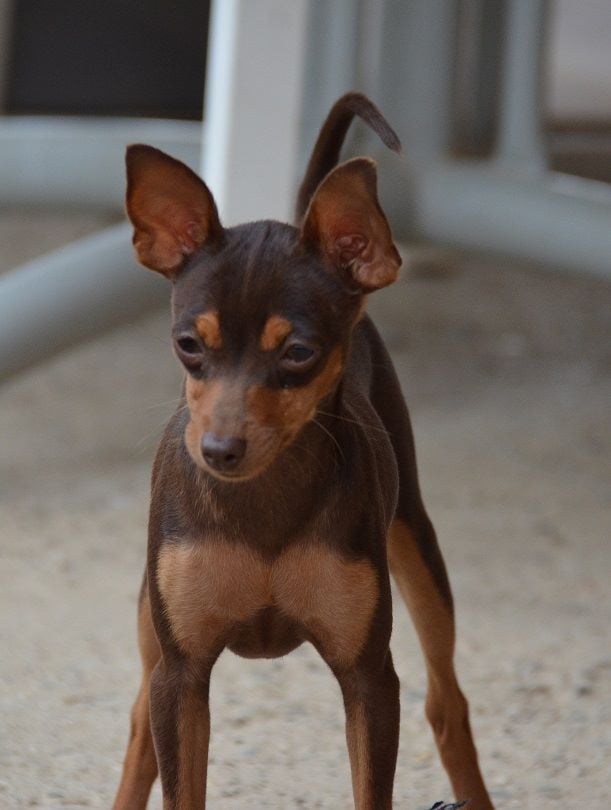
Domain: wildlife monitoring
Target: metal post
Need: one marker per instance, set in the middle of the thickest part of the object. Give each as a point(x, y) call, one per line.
point(332, 59)
point(520, 138)
point(416, 74)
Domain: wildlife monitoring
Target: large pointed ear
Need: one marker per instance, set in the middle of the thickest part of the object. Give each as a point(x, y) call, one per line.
point(346, 222)
point(171, 209)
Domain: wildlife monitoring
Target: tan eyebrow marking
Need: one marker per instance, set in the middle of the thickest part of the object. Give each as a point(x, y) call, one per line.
point(207, 325)
point(274, 332)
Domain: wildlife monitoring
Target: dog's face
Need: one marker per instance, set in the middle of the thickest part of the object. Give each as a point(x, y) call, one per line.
point(261, 330)
point(262, 313)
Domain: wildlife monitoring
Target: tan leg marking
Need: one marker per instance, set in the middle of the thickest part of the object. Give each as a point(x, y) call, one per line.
point(371, 699)
point(274, 332)
point(358, 751)
point(446, 707)
point(194, 741)
point(208, 328)
point(140, 766)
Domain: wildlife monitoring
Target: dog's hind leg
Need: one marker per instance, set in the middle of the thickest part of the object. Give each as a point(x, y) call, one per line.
point(418, 568)
point(140, 766)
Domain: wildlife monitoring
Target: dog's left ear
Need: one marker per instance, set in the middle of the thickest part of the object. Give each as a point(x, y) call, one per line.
point(345, 220)
point(171, 209)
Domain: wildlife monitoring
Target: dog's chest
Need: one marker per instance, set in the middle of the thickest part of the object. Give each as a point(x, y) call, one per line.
point(216, 591)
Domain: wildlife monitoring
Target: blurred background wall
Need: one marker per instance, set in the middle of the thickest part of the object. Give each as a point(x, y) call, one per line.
point(133, 58)
point(148, 59)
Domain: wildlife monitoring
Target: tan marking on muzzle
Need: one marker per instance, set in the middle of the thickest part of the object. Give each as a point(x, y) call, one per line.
point(201, 397)
point(291, 408)
point(274, 332)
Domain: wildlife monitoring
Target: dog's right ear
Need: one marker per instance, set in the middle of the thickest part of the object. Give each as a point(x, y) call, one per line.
point(170, 207)
point(345, 221)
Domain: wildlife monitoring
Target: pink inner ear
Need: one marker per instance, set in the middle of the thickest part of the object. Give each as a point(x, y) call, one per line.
point(195, 233)
point(346, 220)
point(190, 236)
point(350, 246)
point(171, 208)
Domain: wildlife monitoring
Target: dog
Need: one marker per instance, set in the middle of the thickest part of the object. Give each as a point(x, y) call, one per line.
point(285, 489)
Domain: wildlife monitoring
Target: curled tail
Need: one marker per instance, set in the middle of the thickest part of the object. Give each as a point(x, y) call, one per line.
point(325, 154)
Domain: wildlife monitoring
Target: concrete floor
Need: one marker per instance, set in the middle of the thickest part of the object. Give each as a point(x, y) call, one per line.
point(507, 373)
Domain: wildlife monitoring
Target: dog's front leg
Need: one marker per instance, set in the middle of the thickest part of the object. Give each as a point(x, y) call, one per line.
point(371, 700)
point(180, 722)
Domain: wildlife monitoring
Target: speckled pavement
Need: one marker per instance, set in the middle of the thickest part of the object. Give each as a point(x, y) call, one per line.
point(507, 373)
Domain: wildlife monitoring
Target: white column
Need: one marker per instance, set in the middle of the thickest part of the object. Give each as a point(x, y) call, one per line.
point(520, 139)
point(253, 100)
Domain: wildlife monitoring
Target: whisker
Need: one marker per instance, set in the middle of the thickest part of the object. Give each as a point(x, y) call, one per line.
point(331, 436)
point(141, 444)
point(299, 465)
point(310, 452)
point(365, 425)
point(163, 404)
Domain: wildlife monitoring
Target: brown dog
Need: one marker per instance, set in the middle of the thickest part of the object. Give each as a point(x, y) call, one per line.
point(287, 488)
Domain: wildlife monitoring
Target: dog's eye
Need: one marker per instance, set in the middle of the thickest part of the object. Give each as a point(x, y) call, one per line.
point(188, 345)
point(190, 352)
point(298, 357)
point(298, 354)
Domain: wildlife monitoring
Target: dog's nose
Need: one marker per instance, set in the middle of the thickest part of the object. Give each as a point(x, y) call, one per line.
point(222, 453)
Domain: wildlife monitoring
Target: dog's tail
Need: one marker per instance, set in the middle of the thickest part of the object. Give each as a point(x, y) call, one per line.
point(325, 154)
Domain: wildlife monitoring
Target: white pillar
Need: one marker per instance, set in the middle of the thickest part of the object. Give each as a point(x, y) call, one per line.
point(252, 113)
point(520, 139)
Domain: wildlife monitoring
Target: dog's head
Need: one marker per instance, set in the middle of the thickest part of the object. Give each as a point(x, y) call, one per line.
point(262, 313)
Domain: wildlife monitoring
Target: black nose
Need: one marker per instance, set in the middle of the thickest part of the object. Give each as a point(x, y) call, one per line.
point(222, 453)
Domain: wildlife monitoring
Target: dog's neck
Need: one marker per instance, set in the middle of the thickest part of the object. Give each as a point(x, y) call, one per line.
point(297, 484)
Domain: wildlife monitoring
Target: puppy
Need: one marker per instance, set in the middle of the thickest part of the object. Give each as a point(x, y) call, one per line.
point(285, 488)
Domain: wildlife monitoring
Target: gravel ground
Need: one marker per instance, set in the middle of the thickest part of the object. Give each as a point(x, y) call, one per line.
point(506, 370)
